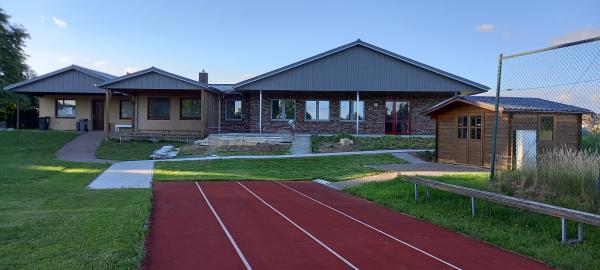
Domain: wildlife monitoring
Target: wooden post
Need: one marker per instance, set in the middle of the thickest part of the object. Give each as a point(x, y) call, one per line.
point(18, 111)
point(106, 115)
point(133, 111)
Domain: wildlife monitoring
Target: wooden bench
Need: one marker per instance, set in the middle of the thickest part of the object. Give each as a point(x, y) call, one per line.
point(563, 213)
point(158, 135)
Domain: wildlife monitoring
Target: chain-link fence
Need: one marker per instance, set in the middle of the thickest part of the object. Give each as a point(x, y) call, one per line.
point(546, 138)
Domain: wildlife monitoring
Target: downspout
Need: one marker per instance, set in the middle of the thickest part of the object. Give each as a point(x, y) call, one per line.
point(260, 98)
point(356, 110)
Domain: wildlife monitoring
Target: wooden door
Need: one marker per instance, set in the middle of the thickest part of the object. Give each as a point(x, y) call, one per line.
point(462, 139)
point(475, 140)
point(98, 115)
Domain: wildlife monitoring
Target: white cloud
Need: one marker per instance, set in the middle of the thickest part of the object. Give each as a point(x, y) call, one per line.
point(59, 22)
point(129, 70)
point(99, 63)
point(486, 27)
point(575, 36)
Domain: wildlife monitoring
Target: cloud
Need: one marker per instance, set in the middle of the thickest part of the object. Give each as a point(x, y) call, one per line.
point(59, 22)
point(575, 36)
point(486, 27)
point(129, 70)
point(99, 63)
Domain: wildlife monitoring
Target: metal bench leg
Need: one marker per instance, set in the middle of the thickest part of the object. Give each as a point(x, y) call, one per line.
point(563, 227)
point(473, 207)
point(427, 192)
point(416, 191)
point(579, 232)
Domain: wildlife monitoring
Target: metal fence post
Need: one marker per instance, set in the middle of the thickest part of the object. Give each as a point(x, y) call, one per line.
point(495, 130)
point(416, 192)
point(473, 207)
point(563, 227)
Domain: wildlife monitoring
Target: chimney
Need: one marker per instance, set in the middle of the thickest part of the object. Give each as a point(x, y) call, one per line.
point(203, 77)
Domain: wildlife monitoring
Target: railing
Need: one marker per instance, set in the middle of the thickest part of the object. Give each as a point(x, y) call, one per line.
point(563, 213)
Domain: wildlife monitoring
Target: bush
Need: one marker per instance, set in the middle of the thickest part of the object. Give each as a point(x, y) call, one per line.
point(320, 143)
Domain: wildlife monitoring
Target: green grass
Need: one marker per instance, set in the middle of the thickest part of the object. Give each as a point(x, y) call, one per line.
point(323, 144)
point(330, 168)
point(49, 220)
point(591, 142)
point(528, 233)
point(131, 150)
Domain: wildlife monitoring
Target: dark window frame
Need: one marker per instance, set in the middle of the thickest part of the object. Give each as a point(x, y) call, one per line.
point(56, 108)
point(318, 113)
point(158, 118)
point(284, 114)
point(540, 128)
point(121, 109)
point(462, 127)
point(227, 109)
point(350, 106)
point(181, 117)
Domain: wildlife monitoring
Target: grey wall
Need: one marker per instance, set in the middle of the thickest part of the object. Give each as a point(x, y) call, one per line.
point(151, 80)
point(71, 81)
point(359, 68)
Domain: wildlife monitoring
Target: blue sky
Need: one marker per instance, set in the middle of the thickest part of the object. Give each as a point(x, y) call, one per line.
point(235, 40)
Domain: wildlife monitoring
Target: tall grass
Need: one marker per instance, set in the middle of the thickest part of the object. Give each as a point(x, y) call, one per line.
point(562, 176)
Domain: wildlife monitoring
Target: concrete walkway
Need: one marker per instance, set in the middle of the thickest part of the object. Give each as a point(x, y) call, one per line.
point(83, 148)
point(301, 145)
point(128, 174)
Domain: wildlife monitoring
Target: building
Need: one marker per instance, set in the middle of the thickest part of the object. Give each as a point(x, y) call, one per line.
point(526, 127)
point(355, 88)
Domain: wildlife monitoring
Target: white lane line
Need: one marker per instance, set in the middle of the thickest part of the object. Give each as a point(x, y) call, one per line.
point(237, 249)
point(373, 228)
point(301, 229)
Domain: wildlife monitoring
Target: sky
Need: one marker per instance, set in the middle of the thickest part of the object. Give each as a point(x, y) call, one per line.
point(236, 40)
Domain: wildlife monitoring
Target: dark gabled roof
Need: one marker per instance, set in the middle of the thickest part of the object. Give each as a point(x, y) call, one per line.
point(480, 87)
point(512, 104)
point(101, 76)
point(183, 82)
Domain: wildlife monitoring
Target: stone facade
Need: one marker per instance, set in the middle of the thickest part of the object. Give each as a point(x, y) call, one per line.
point(375, 110)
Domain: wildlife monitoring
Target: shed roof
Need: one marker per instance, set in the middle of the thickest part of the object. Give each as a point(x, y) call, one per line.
point(512, 104)
point(72, 79)
point(360, 66)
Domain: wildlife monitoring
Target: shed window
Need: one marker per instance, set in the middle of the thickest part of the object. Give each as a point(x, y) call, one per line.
point(125, 109)
point(159, 108)
point(462, 127)
point(348, 110)
point(233, 110)
point(189, 108)
point(546, 128)
point(476, 127)
point(317, 110)
point(65, 108)
point(283, 109)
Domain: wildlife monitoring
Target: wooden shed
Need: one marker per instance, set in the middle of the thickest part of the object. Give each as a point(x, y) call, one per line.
point(526, 127)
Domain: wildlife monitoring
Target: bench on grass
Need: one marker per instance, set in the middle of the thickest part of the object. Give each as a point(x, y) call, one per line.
point(563, 213)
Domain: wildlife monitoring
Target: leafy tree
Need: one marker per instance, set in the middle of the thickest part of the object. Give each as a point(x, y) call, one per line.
point(13, 68)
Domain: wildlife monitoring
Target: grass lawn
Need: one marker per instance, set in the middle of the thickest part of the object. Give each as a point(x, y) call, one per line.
point(330, 168)
point(131, 150)
point(326, 144)
point(260, 149)
point(528, 233)
point(49, 220)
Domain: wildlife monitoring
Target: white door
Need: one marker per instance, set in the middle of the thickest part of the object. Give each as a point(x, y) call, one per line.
point(525, 148)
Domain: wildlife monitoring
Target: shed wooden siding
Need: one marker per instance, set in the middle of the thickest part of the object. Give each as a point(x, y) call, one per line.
point(567, 129)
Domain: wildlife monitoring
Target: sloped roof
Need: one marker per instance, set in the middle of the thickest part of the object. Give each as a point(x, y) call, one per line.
point(148, 79)
point(512, 104)
point(71, 79)
point(359, 43)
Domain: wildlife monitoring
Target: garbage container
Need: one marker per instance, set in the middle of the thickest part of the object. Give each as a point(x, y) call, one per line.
point(83, 126)
point(78, 125)
point(44, 122)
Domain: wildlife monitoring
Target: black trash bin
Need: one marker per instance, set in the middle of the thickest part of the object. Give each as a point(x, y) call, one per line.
point(83, 126)
point(44, 123)
point(78, 125)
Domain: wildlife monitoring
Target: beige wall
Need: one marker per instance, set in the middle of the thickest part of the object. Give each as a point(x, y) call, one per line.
point(83, 109)
point(175, 123)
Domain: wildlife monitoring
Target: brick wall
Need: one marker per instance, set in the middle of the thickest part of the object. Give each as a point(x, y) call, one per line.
point(374, 122)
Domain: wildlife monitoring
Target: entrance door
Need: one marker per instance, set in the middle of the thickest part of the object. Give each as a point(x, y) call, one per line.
point(475, 139)
point(98, 115)
point(397, 117)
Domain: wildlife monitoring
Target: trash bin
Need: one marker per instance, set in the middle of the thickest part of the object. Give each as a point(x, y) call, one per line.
point(78, 125)
point(83, 126)
point(44, 123)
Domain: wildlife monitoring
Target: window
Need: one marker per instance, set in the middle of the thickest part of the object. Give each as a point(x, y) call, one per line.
point(462, 127)
point(233, 110)
point(189, 108)
point(283, 109)
point(65, 108)
point(159, 108)
point(348, 110)
point(125, 109)
point(475, 127)
point(317, 110)
point(546, 128)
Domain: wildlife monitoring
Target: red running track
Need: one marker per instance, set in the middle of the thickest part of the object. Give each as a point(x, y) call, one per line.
point(301, 225)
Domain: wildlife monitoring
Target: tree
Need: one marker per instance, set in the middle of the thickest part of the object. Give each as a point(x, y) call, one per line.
point(13, 67)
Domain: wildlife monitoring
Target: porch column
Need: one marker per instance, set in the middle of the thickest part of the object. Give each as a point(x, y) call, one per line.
point(106, 114)
point(356, 110)
point(18, 111)
point(260, 111)
point(132, 99)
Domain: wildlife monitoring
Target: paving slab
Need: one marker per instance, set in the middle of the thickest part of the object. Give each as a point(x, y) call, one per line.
point(83, 148)
point(128, 174)
point(301, 145)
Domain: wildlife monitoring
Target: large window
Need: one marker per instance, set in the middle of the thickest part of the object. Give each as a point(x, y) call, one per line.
point(233, 110)
point(65, 108)
point(317, 110)
point(189, 108)
point(125, 109)
point(546, 128)
point(348, 110)
point(159, 108)
point(462, 127)
point(283, 109)
point(475, 127)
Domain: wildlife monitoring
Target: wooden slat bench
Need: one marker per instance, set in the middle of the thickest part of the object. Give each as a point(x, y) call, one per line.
point(563, 213)
point(158, 135)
